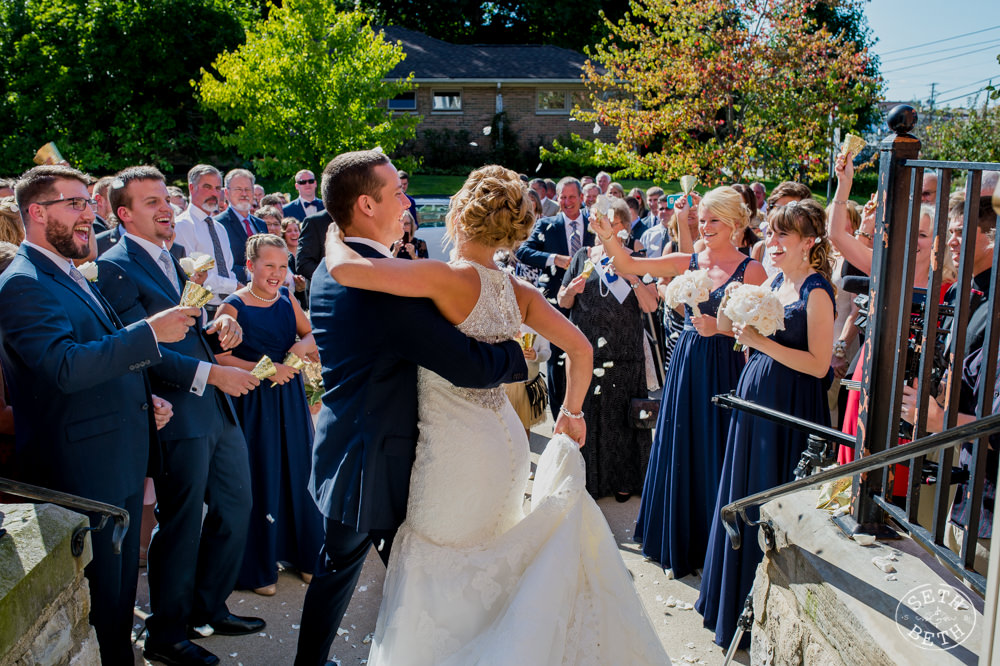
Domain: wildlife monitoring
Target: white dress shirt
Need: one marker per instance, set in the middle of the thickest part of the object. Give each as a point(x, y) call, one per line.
point(374, 244)
point(192, 233)
point(153, 250)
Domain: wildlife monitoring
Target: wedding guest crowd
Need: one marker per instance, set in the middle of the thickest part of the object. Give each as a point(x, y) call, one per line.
point(229, 456)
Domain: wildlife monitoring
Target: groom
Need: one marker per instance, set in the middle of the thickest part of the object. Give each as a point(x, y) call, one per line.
point(370, 345)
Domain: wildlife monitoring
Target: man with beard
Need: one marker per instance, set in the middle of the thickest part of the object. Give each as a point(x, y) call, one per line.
point(198, 232)
point(240, 224)
point(84, 415)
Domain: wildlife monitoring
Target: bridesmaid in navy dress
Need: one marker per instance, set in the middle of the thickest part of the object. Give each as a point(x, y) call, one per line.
point(685, 463)
point(788, 371)
point(285, 524)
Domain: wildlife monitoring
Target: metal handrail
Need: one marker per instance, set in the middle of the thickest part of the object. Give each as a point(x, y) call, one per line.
point(897, 454)
point(119, 515)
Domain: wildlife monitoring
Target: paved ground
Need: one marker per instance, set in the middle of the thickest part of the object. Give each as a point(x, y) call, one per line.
point(681, 631)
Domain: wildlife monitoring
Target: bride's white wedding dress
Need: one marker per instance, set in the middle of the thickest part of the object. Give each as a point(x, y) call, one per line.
point(471, 578)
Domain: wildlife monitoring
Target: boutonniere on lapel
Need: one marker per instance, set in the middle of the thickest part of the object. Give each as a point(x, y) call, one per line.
point(89, 271)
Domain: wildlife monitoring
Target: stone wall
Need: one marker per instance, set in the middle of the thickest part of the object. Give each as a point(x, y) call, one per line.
point(44, 598)
point(819, 599)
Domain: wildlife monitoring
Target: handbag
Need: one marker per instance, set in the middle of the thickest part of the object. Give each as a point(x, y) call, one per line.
point(642, 413)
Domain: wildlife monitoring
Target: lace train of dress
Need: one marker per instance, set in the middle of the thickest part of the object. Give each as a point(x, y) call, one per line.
point(472, 579)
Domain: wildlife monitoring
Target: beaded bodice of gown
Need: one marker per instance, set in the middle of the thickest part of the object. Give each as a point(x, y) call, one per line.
point(470, 471)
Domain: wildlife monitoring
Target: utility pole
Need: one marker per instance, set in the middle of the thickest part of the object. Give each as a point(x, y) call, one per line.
point(931, 102)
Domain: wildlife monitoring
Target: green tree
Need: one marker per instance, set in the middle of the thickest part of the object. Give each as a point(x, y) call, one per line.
point(723, 89)
point(109, 80)
point(308, 83)
point(499, 22)
point(972, 136)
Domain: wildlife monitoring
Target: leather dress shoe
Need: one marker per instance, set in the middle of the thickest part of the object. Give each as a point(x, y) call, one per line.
point(234, 625)
point(184, 653)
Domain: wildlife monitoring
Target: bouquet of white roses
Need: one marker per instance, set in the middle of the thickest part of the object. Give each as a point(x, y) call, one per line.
point(757, 306)
point(691, 287)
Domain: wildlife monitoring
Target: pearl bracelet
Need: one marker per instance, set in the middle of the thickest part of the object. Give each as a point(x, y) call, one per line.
point(563, 410)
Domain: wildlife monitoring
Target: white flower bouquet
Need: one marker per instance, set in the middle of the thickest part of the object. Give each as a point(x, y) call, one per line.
point(757, 306)
point(691, 287)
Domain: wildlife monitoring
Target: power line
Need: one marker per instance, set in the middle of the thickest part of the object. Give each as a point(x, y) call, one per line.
point(937, 60)
point(962, 96)
point(966, 85)
point(950, 48)
point(938, 41)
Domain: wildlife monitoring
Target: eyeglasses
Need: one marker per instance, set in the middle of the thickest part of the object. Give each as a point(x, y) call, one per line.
point(76, 203)
point(307, 181)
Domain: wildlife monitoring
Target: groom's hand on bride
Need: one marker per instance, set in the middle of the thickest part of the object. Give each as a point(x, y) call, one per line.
point(575, 429)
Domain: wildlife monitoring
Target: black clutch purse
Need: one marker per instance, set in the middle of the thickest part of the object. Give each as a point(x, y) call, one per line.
point(642, 413)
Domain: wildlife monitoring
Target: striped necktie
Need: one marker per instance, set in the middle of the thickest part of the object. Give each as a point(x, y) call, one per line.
point(220, 262)
point(574, 238)
point(167, 262)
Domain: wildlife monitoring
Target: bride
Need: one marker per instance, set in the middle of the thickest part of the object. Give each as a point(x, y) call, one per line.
point(473, 578)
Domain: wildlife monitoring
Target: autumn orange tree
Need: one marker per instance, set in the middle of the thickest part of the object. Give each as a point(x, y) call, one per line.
point(724, 89)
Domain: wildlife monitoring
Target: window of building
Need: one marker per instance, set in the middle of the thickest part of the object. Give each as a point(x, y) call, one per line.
point(560, 101)
point(404, 102)
point(448, 100)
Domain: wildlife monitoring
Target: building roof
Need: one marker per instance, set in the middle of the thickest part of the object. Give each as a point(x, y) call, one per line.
point(434, 60)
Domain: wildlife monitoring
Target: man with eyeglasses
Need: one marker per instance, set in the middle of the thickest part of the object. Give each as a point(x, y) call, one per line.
point(306, 204)
point(240, 224)
point(84, 416)
point(928, 191)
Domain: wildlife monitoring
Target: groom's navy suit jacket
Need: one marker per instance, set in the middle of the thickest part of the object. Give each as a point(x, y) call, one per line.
point(78, 387)
point(370, 346)
point(549, 237)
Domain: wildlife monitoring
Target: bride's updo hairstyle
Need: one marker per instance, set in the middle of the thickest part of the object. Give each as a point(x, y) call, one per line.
point(807, 219)
point(727, 204)
point(492, 208)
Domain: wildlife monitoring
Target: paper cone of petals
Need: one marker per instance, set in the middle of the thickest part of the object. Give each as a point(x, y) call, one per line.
point(853, 145)
point(48, 154)
point(264, 369)
point(195, 295)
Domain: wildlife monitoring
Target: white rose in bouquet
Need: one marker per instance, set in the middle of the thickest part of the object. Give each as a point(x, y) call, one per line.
point(691, 287)
point(757, 306)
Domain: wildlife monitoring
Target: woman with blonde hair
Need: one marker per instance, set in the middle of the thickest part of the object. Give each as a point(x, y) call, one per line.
point(685, 463)
point(285, 524)
point(11, 227)
point(468, 568)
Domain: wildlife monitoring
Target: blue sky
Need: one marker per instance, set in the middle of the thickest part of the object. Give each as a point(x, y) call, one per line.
point(900, 24)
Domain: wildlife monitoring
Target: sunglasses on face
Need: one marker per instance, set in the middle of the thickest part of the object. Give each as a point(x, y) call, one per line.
point(308, 181)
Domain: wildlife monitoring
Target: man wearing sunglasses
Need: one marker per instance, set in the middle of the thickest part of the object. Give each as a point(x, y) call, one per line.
point(306, 204)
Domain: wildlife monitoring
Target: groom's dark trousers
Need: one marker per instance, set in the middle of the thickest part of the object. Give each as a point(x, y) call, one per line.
point(370, 345)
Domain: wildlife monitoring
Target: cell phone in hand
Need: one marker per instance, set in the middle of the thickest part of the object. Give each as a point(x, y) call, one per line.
point(406, 237)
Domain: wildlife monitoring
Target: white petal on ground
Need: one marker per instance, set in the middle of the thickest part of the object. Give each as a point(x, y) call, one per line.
point(597, 128)
point(598, 372)
point(487, 130)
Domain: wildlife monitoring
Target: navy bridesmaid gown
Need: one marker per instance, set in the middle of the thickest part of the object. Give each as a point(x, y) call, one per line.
point(760, 454)
point(285, 524)
point(685, 464)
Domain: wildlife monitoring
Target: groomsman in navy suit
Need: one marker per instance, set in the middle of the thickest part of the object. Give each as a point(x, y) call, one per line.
point(367, 431)
point(240, 224)
point(193, 560)
point(550, 248)
point(83, 412)
point(306, 203)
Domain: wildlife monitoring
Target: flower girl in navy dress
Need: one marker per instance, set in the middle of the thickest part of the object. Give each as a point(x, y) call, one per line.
point(285, 524)
point(685, 463)
point(788, 371)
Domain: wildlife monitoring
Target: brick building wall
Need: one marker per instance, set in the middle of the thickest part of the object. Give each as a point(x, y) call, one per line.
point(532, 128)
